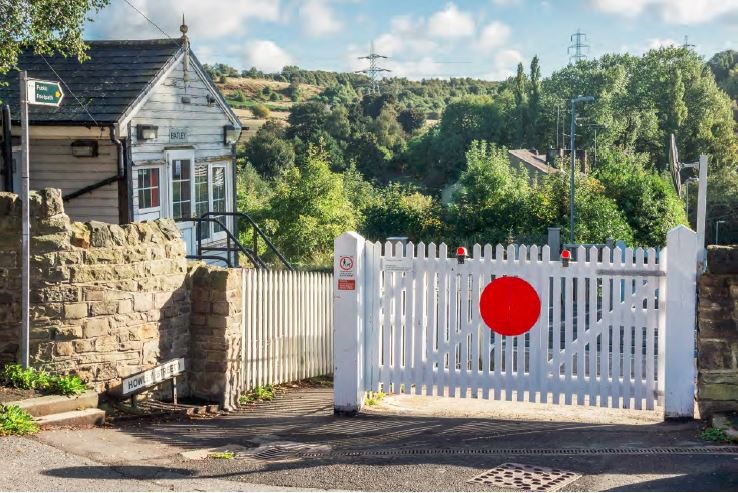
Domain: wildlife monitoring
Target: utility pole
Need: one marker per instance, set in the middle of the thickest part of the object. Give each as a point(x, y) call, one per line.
point(573, 150)
point(373, 71)
point(578, 50)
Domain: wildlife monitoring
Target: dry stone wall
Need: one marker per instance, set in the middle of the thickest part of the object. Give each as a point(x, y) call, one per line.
point(106, 300)
point(717, 339)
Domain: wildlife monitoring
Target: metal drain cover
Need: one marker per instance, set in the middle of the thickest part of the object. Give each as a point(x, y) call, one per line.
point(526, 478)
point(279, 451)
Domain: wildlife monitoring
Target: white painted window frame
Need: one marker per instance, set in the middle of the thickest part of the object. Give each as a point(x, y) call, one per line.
point(163, 190)
point(173, 155)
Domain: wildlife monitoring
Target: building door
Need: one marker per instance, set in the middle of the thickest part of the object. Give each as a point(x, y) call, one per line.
point(181, 187)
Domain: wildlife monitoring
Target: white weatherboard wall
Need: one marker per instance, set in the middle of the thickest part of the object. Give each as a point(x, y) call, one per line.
point(52, 165)
point(616, 328)
point(288, 326)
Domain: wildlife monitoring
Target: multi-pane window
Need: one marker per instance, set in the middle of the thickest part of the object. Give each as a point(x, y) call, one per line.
point(202, 197)
point(219, 195)
point(148, 188)
point(181, 191)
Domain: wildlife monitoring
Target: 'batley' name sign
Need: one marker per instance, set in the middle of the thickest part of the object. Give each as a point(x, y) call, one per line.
point(148, 378)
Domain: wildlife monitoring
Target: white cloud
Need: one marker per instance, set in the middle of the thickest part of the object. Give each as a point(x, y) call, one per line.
point(493, 35)
point(451, 23)
point(507, 3)
point(504, 64)
point(656, 43)
point(265, 55)
point(671, 11)
point(205, 21)
point(318, 19)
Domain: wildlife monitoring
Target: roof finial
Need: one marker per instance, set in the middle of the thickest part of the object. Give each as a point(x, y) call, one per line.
point(183, 28)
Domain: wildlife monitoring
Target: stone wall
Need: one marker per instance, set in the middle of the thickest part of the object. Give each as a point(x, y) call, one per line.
point(106, 300)
point(717, 339)
point(216, 335)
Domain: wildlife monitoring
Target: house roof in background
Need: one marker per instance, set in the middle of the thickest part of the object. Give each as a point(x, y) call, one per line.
point(107, 83)
point(537, 161)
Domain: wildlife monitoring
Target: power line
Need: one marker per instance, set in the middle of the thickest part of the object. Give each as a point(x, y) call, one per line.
point(578, 47)
point(70, 91)
point(150, 21)
point(374, 70)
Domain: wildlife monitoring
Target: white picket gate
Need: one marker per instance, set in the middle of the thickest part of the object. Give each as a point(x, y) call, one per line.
point(288, 326)
point(616, 328)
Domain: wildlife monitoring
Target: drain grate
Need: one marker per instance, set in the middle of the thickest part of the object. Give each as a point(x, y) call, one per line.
point(526, 478)
point(524, 452)
point(277, 451)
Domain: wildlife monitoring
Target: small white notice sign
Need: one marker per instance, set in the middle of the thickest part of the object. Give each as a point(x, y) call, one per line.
point(153, 376)
point(397, 264)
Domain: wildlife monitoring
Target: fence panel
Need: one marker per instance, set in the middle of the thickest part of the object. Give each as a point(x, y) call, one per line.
point(288, 326)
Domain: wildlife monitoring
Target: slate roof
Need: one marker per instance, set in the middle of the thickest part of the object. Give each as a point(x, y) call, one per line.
point(107, 83)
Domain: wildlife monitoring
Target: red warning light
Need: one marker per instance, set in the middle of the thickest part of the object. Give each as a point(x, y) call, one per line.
point(462, 252)
point(565, 255)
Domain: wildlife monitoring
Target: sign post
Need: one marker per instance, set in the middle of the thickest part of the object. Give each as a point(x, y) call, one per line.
point(47, 94)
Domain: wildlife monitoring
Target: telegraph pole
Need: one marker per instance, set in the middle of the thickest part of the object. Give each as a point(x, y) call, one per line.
point(26, 225)
point(573, 150)
point(373, 71)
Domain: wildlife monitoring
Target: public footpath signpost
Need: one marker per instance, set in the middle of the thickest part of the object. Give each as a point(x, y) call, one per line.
point(43, 93)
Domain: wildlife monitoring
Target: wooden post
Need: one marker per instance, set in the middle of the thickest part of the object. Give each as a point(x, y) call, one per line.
point(677, 336)
point(174, 390)
point(348, 316)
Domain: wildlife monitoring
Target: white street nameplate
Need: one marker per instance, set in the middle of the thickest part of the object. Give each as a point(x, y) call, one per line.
point(153, 376)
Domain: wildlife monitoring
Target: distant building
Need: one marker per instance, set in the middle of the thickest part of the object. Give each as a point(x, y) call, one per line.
point(530, 161)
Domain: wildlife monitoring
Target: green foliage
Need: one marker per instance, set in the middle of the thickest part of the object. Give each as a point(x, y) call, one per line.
point(16, 376)
point(274, 97)
point(412, 119)
point(310, 208)
point(373, 398)
point(16, 421)
point(724, 66)
point(722, 204)
point(50, 26)
point(400, 210)
point(262, 393)
point(646, 198)
point(67, 385)
point(268, 151)
point(260, 111)
point(714, 435)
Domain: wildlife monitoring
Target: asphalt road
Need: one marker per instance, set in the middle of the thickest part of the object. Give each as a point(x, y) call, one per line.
point(403, 444)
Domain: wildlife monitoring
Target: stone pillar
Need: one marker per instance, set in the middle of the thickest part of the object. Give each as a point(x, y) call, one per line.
point(216, 335)
point(717, 339)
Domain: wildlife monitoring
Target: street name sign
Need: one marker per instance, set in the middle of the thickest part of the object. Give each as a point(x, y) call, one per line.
point(149, 378)
point(45, 93)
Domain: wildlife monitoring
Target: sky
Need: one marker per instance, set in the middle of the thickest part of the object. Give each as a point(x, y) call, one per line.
point(422, 38)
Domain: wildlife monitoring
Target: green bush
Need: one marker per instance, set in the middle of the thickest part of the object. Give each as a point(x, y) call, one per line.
point(31, 379)
point(260, 111)
point(16, 421)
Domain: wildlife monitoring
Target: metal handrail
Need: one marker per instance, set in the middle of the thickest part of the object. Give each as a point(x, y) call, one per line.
point(256, 233)
point(252, 256)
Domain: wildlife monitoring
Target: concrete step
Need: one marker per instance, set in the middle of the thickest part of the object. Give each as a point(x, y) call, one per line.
point(85, 417)
point(55, 404)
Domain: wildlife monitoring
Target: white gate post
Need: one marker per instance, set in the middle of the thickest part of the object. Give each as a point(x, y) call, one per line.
point(348, 323)
point(677, 370)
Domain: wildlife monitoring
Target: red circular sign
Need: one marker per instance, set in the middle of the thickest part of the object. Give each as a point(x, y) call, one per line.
point(509, 306)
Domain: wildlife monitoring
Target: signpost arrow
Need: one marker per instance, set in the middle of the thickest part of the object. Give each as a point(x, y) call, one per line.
point(45, 93)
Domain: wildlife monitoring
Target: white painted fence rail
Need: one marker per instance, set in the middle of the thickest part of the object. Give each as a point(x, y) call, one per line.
point(288, 325)
point(616, 328)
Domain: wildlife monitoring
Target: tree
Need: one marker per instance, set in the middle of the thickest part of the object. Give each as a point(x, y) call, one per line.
point(534, 102)
point(310, 209)
point(519, 92)
point(401, 210)
point(411, 119)
point(268, 151)
point(49, 26)
point(647, 199)
point(306, 120)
